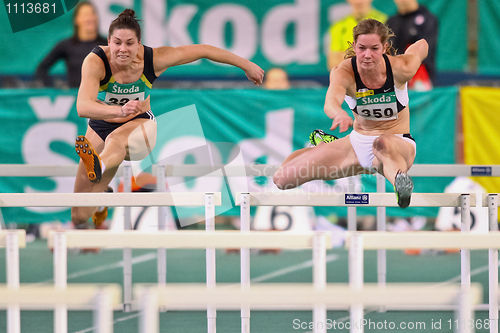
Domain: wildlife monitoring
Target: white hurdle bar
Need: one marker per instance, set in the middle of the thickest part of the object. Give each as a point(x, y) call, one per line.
point(299, 198)
point(100, 298)
point(417, 170)
point(320, 244)
point(37, 170)
point(95, 200)
point(251, 170)
point(302, 296)
point(192, 240)
point(268, 170)
point(372, 240)
point(12, 240)
point(104, 199)
point(428, 170)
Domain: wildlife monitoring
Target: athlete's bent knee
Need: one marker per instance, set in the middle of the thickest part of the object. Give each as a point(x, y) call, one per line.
point(79, 216)
point(278, 179)
point(382, 143)
point(281, 181)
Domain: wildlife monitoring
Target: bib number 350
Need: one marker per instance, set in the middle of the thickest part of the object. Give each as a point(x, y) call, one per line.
point(378, 113)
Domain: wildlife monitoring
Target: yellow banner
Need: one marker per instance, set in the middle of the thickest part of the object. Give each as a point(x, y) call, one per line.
point(481, 128)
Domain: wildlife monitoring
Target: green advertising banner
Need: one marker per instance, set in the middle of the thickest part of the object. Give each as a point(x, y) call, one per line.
point(488, 41)
point(288, 33)
point(207, 127)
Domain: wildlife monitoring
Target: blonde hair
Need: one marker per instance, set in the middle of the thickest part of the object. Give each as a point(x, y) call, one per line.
point(371, 26)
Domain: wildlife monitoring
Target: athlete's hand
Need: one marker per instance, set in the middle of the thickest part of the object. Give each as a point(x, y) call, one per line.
point(135, 108)
point(342, 121)
point(254, 73)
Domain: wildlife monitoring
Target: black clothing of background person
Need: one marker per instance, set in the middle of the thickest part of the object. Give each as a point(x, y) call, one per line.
point(410, 27)
point(72, 51)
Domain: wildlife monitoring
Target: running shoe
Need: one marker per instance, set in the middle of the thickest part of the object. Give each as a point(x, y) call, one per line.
point(101, 214)
point(403, 186)
point(317, 136)
point(90, 158)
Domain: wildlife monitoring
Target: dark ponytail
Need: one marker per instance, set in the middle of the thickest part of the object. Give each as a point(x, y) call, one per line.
point(126, 20)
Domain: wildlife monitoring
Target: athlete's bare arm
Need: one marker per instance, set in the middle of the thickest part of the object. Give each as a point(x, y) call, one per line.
point(87, 104)
point(165, 57)
point(407, 64)
point(340, 80)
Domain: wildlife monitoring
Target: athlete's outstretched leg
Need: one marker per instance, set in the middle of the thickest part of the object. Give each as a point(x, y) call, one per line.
point(394, 157)
point(326, 161)
point(81, 215)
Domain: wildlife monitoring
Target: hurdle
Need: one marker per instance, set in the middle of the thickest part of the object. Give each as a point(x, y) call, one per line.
point(265, 170)
point(417, 170)
point(356, 242)
point(192, 240)
point(100, 298)
point(300, 198)
point(298, 296)
point(99, 199)
point(427, 170)
point(12, 240)
point(38, 170)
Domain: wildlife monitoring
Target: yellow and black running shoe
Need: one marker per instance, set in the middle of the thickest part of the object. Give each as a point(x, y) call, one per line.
point(317, 136)
point(100, 215)
point(90, 158)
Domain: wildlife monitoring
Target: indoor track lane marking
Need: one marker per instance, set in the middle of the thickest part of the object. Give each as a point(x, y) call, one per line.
point(135, 260)
point(264, 277)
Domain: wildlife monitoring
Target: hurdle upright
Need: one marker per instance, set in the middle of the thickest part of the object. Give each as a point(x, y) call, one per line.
point(492, 203)
point(95, 200)
point(427, 170)
point(319, 245)
point(299, 198)
point(12, 240)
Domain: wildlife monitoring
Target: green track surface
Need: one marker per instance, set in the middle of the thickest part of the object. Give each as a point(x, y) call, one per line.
point(287, 266)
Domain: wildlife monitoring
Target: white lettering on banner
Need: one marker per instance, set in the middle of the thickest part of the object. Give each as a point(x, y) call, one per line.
point(174, 32)
point(213, 24)
point(176, 151)
point(276, 145)
point(44, 108)
point(170, 26)
point(335, 13)
point(177, 25)
point(304, 15)
point(36, 150)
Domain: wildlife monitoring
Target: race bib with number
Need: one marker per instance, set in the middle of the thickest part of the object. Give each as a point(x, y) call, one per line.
point(378, 107)
point(122, 99)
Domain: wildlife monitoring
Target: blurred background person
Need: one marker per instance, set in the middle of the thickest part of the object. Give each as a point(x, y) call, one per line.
point(74, 49)
point(411, 23)
point(341, 31)
point(276, 79)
